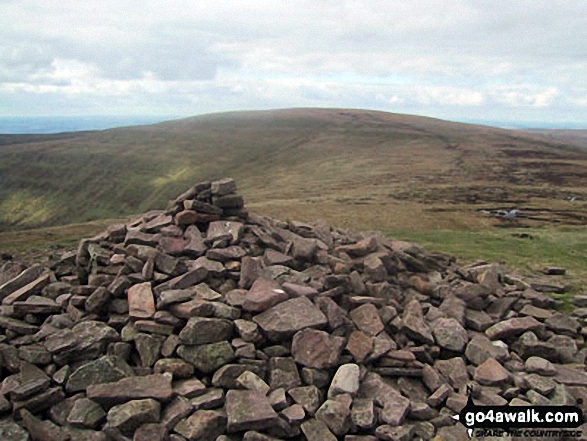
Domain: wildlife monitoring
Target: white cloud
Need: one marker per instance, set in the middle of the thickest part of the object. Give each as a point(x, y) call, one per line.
point(526, 95)
point(449, 59)
point(453, 96)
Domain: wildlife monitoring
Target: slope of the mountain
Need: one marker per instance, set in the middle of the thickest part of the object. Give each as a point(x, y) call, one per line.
point(362, 168)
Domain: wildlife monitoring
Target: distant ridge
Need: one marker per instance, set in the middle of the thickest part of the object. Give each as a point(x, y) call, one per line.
point(65, 124)
point(368, 169)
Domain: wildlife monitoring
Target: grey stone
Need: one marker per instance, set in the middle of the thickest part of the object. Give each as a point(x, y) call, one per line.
point(204, 425)
point(209, 357)
point(317, 349)
point(106, 369)
point(286, 318)
point(345, 380)
point(86, 413)
point(248, 410)
point(129, 416)
point(200, 330)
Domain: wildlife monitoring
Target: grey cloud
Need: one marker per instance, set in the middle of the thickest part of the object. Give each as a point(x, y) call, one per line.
point(454, 58)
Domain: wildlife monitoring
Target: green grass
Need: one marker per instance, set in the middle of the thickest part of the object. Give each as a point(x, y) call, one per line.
point(566, 247)
point(27, 245)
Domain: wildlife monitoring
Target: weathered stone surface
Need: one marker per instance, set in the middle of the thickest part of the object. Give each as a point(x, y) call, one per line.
point(540, 366)
point(211, 399)
point(336, 415)
point(512, 327)
point(172, 296)
point(28, 290)
point(17, 326)
point(287, 318)
point(209, 357)
point(247, 409)
point(21, 280)
point(563, 324)
point(491, 373)
point(360, 345)
point(454, 370)
point(199, 330)
point(366, 318)
point(190, 278)
point(149, 348)
point(478, 320)
point(390, 433)
point(395, 406)
point(177, 367)
point(106, 369)
point(263, 295)
point(315, 430)
point(129, 416)
point(42, 430)
point(450, 334)
point(151, 432)
point(283, 373)
point(414, 324)
point(480, 348)
point(345, 380)
point(248, 380)
point(228, 374)
point(86, 413)
point(317, 349)
point(34, 354)
point(156, 386)
point(528, 345)
point(141, 302)
point(205, 425)
point(224, 230)
point(11, 431)
point(363, 413)
point(543, 385)
point(309, 397)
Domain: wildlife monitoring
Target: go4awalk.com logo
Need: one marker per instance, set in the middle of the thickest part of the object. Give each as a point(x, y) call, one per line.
point(522, 421)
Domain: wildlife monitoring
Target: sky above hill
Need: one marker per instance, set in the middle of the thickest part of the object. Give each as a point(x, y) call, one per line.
point(511, 61)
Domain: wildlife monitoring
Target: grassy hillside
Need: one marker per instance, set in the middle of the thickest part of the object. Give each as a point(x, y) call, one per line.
point(352, 168)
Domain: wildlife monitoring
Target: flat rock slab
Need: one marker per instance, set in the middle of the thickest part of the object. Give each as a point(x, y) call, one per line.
point(156, 386)
point(129, 416)
point(32, 288)
point(24, 278)
point(570, 377)
point(17, 326)
point(285, 319)
point(248, 410)
point(263, 295)
point(512, 327)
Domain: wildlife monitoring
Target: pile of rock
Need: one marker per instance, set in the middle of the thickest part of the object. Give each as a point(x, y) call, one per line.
point(202, 322)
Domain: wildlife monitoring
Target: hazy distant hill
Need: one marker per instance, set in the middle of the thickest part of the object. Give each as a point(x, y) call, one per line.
point(353, 167)
point(578, 137)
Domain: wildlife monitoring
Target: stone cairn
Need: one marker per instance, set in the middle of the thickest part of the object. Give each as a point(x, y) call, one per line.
point(202, 322)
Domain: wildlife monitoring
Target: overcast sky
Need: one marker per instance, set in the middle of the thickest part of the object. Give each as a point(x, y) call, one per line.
point(505, 60)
